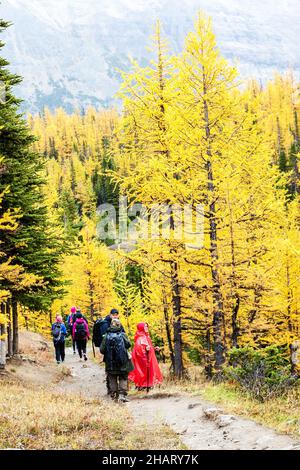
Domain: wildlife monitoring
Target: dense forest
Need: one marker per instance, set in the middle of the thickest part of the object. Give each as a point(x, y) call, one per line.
point(190, 132)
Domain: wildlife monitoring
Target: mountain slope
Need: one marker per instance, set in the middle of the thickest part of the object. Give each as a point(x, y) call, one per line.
point(68, 51)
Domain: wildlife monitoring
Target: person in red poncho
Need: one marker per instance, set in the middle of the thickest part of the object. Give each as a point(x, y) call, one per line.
point(146, 372)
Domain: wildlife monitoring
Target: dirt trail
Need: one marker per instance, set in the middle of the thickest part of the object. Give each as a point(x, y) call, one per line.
point(201, 425)
point(87, 377)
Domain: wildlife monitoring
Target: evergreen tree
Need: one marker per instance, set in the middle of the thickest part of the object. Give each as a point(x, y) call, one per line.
point(33, 246)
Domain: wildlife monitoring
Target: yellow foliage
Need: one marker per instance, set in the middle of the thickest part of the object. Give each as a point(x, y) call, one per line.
point(189, 134)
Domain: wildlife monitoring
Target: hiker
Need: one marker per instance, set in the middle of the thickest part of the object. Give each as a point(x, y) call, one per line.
point(59, 333)
point(78, 311)
point(146, 371)
point(114, 347)
point(81, 334)
point(100, 329)
point(97, 337)
point(101, 326)
point(70, 322)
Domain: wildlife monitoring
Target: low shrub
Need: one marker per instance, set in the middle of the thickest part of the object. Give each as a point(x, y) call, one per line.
point(263, 373)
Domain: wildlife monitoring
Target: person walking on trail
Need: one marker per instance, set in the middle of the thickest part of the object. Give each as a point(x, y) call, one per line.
point(96, 336)
point(70, 322)
point(81, 334)
point(79, 312)
point(59, 333)
point(114, 347)
point(101, 326)
point(146, 372)
point(100, 329)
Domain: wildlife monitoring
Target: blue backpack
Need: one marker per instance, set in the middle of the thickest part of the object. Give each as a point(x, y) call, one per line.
point(56, 332)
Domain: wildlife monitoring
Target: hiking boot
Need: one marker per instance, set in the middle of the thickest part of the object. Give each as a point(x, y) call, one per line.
point(123, 399)
point(57, 362)
point(114, 396)
point(74, 352)
point(85, 358)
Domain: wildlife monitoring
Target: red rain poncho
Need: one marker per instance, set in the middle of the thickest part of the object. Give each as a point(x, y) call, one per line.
point(146, 371)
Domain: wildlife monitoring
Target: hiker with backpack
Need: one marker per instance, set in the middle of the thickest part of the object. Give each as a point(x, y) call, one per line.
point(101, 326)
point(81, 334)
point(97, 336)
point(146, 372)
point(70, 322)
point(59, 333)
point(114, 347)
point(100, 329)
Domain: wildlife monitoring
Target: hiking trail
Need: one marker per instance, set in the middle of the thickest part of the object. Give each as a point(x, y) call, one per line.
point(201, 425)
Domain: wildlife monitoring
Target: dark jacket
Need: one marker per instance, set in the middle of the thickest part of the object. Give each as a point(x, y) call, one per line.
point(105, 324)
point(103, 349)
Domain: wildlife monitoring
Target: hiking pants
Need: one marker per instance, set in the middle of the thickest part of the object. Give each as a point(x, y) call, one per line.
point(59, 350)
point(73, 344)
point(81, 346)
point(107, 381)
point(117, 384)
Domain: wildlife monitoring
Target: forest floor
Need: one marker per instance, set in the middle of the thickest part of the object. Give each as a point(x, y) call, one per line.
point(161, 419)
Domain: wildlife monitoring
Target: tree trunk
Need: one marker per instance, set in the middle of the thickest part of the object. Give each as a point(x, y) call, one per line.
point(257, 298)
point(235, 328)
point(289, 295)
point(126, 312)
point(218, 311)
point(176, 304)
point(169, 337)
point(208, 362)
point(9, 330)
point(15, 320)
point(91, 295)
point(234, 294)
point(2, 341)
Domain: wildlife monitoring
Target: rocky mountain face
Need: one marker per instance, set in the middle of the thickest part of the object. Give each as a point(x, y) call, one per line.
point(69, 51)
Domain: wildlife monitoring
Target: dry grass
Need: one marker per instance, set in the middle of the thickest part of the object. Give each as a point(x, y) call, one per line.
point(36, 418)
point(62, 373)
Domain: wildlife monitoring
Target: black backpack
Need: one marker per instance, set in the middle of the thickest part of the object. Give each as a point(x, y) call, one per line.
point(97, 333)
point(116, 356)
point(80, 332)
point(56, 332)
